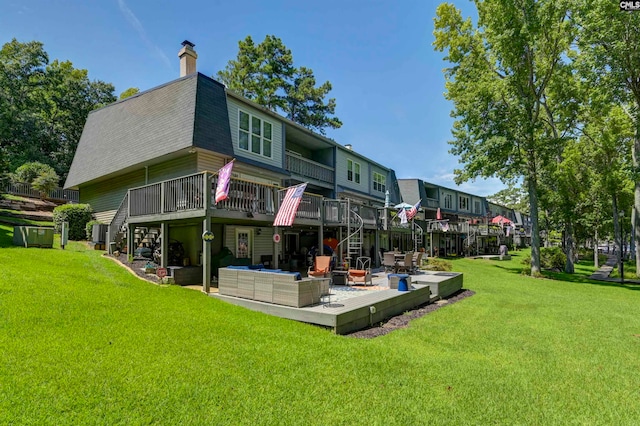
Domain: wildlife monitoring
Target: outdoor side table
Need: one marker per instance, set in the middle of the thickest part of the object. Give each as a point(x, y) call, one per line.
point(339, 277)
point(399, 281)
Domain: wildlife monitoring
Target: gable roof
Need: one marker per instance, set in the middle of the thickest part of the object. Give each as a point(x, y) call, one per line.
point(190, 111)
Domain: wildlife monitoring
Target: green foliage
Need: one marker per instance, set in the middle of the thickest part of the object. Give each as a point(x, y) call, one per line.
point(513, 197)
point(43, 106)
point(77, 215)
point(41, 177)
point(265, 74)
point(89, 228)
point(129, 92)
point(550, 258)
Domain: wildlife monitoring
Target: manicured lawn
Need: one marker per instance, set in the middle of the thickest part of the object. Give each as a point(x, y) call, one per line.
point(85, 342)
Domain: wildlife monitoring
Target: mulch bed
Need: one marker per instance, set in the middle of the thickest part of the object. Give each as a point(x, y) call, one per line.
point(137, 266)
point(403, 320)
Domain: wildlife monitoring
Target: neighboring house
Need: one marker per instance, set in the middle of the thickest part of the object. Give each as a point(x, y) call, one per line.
point(147, 165)
point(465, 224)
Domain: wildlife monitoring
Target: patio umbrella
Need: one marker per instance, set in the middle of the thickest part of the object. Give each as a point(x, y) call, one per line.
point(501, 220)
point(403, 206)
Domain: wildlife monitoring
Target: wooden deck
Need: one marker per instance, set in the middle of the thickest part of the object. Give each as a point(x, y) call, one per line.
point(361, 311)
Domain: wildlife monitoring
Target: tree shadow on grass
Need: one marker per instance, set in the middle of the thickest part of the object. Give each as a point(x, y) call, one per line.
point(6, 236)
point(573, 278)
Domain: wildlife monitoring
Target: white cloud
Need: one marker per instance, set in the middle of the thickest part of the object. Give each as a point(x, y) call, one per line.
point(137, 25)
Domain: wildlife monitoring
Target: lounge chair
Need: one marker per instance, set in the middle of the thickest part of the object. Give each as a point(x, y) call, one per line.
point(361, 273)
point(417, 259)
point(321, 267)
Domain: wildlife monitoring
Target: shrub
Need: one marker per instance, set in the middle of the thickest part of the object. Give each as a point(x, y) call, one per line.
point(77, 215)
point(550, 258)
point(89, 228)
point(436, 264)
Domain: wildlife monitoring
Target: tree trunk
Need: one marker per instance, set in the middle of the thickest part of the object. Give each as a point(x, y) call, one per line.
point(635, 155)
point(617, 234)
point(568, 248)
point(535, 234)
point(596, 260)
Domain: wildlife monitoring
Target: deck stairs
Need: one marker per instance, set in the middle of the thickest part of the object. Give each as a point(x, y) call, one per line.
point(354, 228)
point(418, 236)
point(143, 236)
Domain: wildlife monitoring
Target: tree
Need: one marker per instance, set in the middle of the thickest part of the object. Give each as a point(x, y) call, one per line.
point(129, 92)
point(609, 44)
point(500, 74)
point(40, 177)
point(43, 106)
point(513, 197)
point(265, 74)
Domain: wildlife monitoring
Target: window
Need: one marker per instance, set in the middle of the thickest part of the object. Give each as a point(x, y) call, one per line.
point(476, 207)
point(463, 203)
point(448, 201)
point(353, 171)
point(254, 134)
point(379, 182)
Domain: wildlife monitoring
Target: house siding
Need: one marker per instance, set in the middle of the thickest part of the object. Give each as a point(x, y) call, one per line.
point(341, 172)
point(276, 129)
point(172, 169)
point(105, 197)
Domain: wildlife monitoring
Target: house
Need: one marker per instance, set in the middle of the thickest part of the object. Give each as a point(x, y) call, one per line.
point(147, 165)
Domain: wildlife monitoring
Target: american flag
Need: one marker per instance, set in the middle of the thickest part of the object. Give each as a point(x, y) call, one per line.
point(289, 206)
point(413, 211)
point(224, 177)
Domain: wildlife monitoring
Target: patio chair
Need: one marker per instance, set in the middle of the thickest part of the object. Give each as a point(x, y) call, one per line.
point(321, 267)
point(389, 261)
point(417, 259)
point(361, 273)
point(407, 264)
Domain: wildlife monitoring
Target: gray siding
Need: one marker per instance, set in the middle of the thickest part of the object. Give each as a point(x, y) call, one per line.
point(105, 197)
point(341, 172)
point(277, 143)
point(172, 169)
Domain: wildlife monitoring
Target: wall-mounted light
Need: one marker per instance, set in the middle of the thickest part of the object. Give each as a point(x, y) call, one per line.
point(192, 151)
point(259, 231)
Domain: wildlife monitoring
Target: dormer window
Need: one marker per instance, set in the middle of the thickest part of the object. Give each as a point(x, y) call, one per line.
point(254, 134)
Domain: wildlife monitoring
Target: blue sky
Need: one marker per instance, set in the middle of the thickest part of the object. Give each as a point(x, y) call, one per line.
point(378, 55)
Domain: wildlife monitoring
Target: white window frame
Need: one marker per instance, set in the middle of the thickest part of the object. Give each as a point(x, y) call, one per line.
point(244, 243)
point(449, 198)
point(379, 182)
point(463, 203)
point(353, 168)
point(258, 133)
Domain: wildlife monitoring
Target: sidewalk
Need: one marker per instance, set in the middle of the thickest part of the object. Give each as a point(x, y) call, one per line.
point(603, 273)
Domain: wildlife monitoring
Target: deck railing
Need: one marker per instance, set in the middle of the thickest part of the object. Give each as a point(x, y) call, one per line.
point(58, 194)
point(430, 203)
point(169, 196)
point(309, 207)
point(246, 196)
point(308, 168)
point(119, 218)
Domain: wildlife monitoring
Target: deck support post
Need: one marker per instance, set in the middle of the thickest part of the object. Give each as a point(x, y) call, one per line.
point(164, 244)
point(206, 227)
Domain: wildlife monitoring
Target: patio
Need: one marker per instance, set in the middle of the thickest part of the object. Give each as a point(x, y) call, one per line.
point(352, 308)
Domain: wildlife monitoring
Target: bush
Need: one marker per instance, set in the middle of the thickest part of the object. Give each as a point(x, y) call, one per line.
point(436, 264)
point(89, 228)
point(550, 258)
point(77, 215)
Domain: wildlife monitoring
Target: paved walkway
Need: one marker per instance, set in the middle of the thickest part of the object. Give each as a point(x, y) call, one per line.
point(603, 273)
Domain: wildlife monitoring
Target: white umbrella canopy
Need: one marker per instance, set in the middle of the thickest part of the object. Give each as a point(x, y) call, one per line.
point(403, 206)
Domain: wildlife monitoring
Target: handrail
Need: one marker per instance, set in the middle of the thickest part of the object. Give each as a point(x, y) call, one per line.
point(119, 218)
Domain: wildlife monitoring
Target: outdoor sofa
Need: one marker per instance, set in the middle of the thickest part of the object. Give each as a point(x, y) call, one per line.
point(271, 285)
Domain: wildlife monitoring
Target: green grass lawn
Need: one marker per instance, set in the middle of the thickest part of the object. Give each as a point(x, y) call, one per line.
point(85, 342)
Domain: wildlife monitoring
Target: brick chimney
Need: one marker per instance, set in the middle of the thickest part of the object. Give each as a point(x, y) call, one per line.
point(188, 58)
